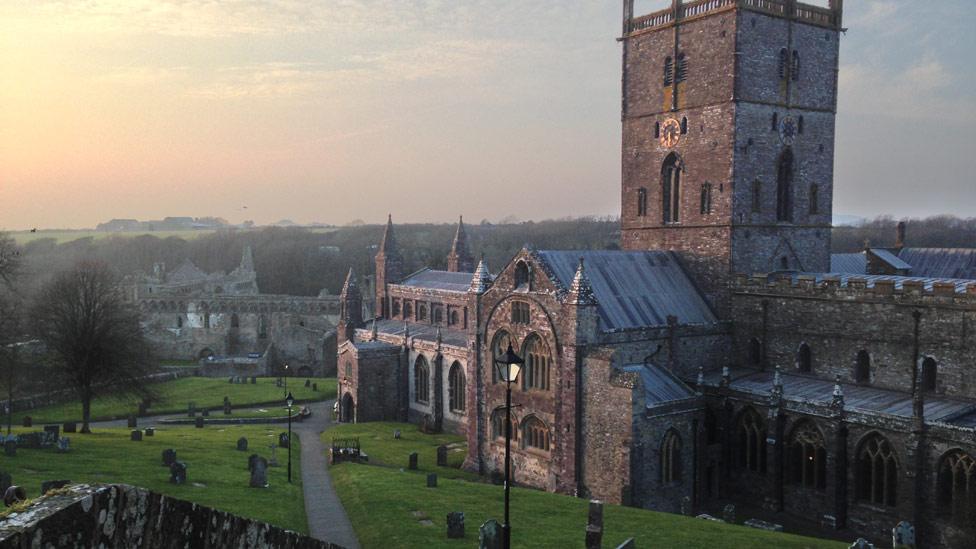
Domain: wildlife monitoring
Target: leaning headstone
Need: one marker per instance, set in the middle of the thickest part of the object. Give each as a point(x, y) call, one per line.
point(728, 513)
point(70, 427)
point(169, 457)
point(594, 525)
point(490, 535)
point(177, 473)
point(903, 536)
point(131, 424)
point(432, 480)
point(10, 447)
point(14, 494)
point(455, 525)
point(198, 423)
point(5, 481)
point(242, 444)
point(861, 543)
point(28, 421)
point(149, 432)
point(49, 485)
point(135, 436)
point(64, 445)
point(315, 386)
point(442, 456)
point(259, 473)
point(628, 543)
point(283, 440)
point(413, 461)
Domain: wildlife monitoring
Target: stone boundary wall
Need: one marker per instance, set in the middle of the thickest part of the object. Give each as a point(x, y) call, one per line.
point(121, 516)
point(58, 397)
point(916, 289)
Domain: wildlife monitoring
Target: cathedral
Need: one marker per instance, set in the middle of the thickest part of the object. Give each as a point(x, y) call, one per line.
point(722, 355)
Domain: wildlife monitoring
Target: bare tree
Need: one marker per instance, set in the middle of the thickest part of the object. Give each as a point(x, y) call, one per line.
point(10, 258)
point(12, 333)
point(92, 334)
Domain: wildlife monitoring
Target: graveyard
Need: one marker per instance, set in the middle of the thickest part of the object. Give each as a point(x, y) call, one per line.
point(392, 505)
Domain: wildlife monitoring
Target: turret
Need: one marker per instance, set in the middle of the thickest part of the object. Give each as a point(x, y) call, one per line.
point(584, 304)
point(389, 268)
point(460, 260)
point(350, 309)
point(481, 280)
point(247, 259)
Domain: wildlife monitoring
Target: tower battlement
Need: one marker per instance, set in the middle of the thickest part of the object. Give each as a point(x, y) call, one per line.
point(845, 287)
point(829, 17)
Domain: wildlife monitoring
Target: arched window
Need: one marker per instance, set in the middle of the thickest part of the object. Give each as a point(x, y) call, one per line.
point(671, 186)
point(681, 70)
point(438, 315)
point(668, 71)
point(396, 307)
point(775, 123)
point(804, 359)
point(807, 456)
point(421, 380)
point(537, 363)
point(407, 310)
point(795, 69)
point(641, 202)
point(498, 425)
point(862, 367)
point(235, 321)
point(671, 457)
point(421, 312)
point(751, 442)
point(535, 434)
point(456, 387)
point(499, 346)
point(684, 125)
point(784, 187)
point(957, 486)
point(814, 199)
point(755, 352)
point(521, 274)
point(930, 374)
point(799, 124)
point(783, 63)
point(657, 134)
point(877, 472)
point(757, 196)
point(454, 319)
point(706, 198)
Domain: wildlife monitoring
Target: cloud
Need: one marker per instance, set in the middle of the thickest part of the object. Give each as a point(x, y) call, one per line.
point(907, 93)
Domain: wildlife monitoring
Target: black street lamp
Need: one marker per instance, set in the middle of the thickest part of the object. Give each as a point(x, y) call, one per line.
point(286, 377)
point(289, 400)
point(509, 365)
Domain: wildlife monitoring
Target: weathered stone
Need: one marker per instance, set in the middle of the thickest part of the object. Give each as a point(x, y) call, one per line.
point(49, 485)
point(70, 427)
point(490, 535)
point(132, 423)
point(861, 543)
point(396, 434)
point(53, 431)
point(728, 513)
point(177, 473)
point(594, 525)
point(14, 494)
point(64, 445)
point(199, 422)
point(442, 456)
point(412, 461)
point(242, 444)
point(28, 421)
point(706, 516)
point(283, 440)
point(432, 480)
point(455, 525)
point(686, 508)
point(169, 457)
point(135, 436)
point(903, 536)
point(149, 431)
point(259, 472)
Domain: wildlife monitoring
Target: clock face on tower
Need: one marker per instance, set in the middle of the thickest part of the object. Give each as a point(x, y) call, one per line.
point(670, 133)
point(787, 130)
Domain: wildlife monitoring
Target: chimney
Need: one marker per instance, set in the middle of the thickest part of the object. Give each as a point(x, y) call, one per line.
point(900, 235)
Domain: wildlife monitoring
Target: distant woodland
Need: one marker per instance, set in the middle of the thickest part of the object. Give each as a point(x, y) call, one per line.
point(302, 262)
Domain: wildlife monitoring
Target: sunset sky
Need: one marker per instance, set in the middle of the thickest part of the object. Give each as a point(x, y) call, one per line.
point(333, 110)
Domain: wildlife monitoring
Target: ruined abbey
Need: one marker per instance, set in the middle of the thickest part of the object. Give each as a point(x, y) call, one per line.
point(718, 357)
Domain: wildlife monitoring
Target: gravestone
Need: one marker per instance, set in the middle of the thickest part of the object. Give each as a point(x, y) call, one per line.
point(259, 473)
point(54, 431)
point(177, 473)
point(455, 525)
point(278, 383)
point(135, 436)
point(64, 444)
point(274, 454)
point(594, 525)
point(149, 432)
point(14, 494)
point(70, 427)
point(413, 461)
point(432, 480)
point(686, 506)
point(227, 407)
point(191, 409)
point(308, 383)
point(169, 457)
point(250, 461)
point(490, 535)
point(283, 440)
point(442, 456)
point(396, 435)
point(861, 543)
point(198, 423)
point(230, 379)
point(143, 408)
point(315, 387)
point(628, 543)
point(5, 481)
point(49, 485)
point(205, 412)
point(10, 447)
point(903, 536)
point(28, 421)
point(763, 525)
point(132, 422)
point(254, 380)
point(728, 514)
point(242, 444)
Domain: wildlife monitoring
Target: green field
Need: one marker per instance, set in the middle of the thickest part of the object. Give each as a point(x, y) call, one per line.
point(205, 392)
point(217, 474)
point(388, 504)
point(23, 237)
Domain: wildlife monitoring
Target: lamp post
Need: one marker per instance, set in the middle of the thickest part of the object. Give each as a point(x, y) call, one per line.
point(509, 366)
point(289, 400)
point(286, 377)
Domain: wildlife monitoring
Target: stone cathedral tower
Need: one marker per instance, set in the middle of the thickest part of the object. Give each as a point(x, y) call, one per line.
point(728, 135)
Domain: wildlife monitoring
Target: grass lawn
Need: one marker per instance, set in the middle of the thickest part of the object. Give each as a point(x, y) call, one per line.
point(376, 439)
point(206, 392)
point(217, 474)
point(387, 505)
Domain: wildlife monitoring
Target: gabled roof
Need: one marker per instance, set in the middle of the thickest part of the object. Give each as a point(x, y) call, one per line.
point(187, 272)
point(659, 385)
point(891, 259)
point(439, 280)
point(633, 289)
point(941, 262)
point(855, 263)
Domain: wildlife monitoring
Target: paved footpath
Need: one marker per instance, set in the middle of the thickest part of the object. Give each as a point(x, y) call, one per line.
point(327, 519)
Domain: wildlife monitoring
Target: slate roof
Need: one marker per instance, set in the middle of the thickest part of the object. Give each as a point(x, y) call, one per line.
point(899, 281)
point(891, 259)
point(941, 262)
point(634, 289)
point(187, 272)
point(440, 280)
point(856, 397)
point(849, 263)
point(659, 385)
point(425, 332)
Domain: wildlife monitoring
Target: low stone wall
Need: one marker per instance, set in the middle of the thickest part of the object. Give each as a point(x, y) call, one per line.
point(122, 516)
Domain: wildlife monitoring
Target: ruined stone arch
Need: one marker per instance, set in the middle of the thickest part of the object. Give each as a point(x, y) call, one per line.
point(347, 410)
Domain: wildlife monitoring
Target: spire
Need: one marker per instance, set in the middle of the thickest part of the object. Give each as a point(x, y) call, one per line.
point(247, 259)
point(388, 245)
point(460, 260)
point(389, 267)
point(374, 332)
point(350, 309)
point(350, 286)
point(481, 280)
point(581, 292)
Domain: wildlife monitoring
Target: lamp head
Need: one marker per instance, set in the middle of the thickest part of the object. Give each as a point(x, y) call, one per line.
point(289, 400)
point(509, 365)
